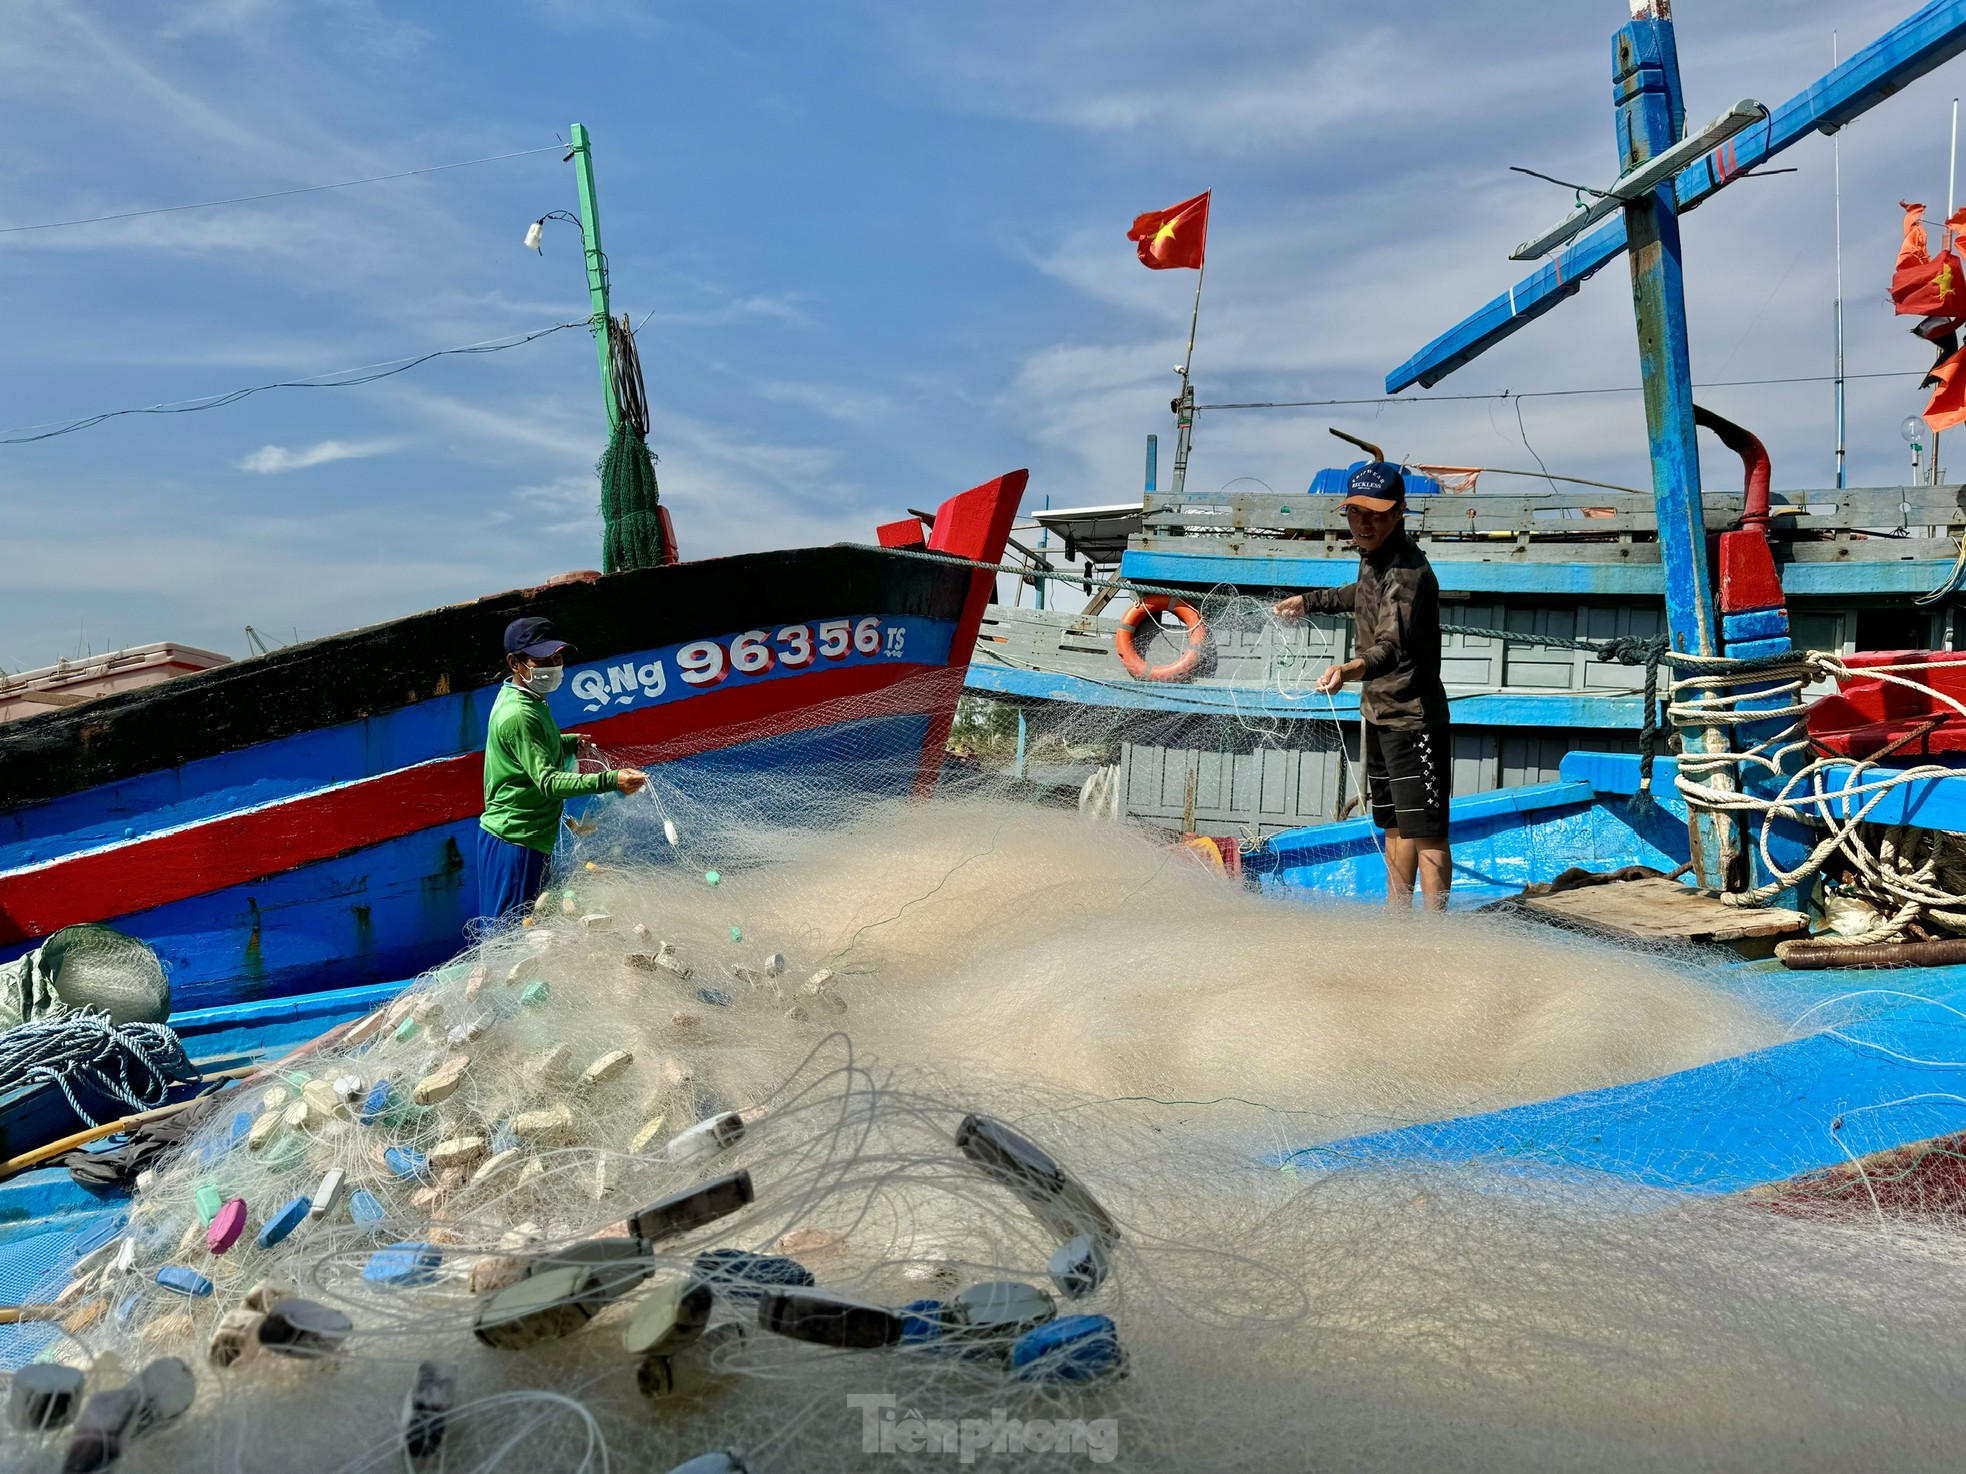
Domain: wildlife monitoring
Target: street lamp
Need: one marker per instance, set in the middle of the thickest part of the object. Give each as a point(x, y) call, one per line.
point(1913, 430)
point(536, 232)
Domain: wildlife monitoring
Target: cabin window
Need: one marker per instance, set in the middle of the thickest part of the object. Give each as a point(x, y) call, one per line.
point(1893, 629)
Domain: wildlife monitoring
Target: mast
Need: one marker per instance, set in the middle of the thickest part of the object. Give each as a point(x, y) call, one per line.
point(597, 263)
point(1651, 119)
point(1184, 406)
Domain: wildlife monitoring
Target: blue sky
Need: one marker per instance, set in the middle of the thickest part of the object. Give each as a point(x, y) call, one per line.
point(881, 252)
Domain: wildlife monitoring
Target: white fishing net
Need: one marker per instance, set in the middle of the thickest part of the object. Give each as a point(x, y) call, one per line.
point(791, 981)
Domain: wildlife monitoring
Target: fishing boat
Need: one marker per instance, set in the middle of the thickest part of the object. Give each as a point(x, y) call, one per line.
point(301, 823)
point(1727, 845)
point(1557, 783)
point(1535, 582)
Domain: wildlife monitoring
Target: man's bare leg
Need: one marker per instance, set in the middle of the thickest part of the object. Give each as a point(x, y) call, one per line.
point(1401, 862)
point(1436, 867)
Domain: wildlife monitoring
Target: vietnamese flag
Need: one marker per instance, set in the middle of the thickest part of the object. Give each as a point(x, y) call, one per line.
point(1924, 285)
point(1948, 403)
point(1176, 236)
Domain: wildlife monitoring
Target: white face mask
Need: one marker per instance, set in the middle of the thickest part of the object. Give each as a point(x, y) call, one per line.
point(545, 679)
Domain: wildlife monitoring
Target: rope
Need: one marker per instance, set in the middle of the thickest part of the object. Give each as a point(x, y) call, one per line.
point(1905, 874)
point(132, 1063)
point(625, 376)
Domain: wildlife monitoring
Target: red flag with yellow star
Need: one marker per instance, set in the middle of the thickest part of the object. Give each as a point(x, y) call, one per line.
point(1924, 285)
point(1176, 236)
point(1948, 404)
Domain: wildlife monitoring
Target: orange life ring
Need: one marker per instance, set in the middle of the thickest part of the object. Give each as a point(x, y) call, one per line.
point(1177, 669)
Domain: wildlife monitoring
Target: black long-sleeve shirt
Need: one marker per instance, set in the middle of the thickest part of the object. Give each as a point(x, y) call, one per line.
point(1395, 609)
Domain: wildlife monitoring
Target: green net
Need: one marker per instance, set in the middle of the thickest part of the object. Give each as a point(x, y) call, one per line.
point(631, 527)
point(632, 530)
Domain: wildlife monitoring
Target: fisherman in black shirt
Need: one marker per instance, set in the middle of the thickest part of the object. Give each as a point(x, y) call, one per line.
point(1395, 609)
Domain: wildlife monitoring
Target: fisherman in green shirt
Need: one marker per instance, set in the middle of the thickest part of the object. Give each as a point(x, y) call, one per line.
point(527, 776)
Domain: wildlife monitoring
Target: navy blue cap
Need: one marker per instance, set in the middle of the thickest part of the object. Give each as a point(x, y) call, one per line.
point(1377, 486)
point(533, 638)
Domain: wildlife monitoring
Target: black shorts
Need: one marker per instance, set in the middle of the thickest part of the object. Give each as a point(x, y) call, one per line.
point(1408, 776)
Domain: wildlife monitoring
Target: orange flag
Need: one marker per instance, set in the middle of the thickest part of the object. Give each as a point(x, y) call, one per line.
point(1176, 236)
point(1923, 285)
point(1948, 403)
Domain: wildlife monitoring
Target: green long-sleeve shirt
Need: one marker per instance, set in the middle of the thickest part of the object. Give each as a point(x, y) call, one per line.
point(526, 781)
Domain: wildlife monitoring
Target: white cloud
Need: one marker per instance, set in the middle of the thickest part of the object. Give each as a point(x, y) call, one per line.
point(271, 459)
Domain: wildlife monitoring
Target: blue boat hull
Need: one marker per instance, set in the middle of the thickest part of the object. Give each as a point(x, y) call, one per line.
point(307, 821)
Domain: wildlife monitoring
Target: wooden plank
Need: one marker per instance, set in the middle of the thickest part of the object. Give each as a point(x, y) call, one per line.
point(1660, 910)
point(1565, 512)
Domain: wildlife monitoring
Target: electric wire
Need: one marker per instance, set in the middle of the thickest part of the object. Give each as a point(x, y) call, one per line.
point(1545, 393)
point(336, 379)
point(275, 194)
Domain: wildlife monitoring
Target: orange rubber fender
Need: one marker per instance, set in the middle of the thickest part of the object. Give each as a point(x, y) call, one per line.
point(1177, 669)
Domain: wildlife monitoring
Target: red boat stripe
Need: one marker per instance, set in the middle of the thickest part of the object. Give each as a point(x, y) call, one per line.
point(236, 849)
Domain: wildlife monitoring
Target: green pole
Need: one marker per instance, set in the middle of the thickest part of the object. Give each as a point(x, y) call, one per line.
point(597, 271)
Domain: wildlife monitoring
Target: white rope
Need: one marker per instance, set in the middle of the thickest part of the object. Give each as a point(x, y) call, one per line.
point(1908, 873)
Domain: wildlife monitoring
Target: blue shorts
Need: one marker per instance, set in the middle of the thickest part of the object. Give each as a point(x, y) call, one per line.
point(510, 877)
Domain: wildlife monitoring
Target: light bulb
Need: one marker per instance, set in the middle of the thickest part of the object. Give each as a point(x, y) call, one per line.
point(1913, 430)
point(533, 233)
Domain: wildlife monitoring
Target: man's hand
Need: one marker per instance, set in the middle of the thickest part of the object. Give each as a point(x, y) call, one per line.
point(631, 780)
point(584, 745)
point(1291, 608)
point(1335, 676)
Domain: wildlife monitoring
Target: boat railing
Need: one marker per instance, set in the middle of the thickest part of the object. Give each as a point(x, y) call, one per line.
point(1857, 513)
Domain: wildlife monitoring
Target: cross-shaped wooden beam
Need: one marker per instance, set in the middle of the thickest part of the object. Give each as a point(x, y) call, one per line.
point(1909, 50)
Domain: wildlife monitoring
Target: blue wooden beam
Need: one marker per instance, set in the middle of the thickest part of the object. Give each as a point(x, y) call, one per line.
point(1214, 569)
point(1906, 52)
point(1645, 77)
point(1545, 711)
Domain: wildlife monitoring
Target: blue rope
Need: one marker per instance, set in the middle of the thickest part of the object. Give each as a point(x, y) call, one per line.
point(132, 1063)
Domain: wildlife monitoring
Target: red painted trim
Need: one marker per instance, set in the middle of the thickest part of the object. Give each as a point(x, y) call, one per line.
point(1748, 577)
point(906, 533)
point(237, 849)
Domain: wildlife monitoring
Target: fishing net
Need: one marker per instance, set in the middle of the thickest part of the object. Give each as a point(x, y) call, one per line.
point(632, 534)
point(86, 967)
point(810, 1124)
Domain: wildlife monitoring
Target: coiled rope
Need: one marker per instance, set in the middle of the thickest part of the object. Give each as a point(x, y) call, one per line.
point(132, 1063)
point(1907, 874)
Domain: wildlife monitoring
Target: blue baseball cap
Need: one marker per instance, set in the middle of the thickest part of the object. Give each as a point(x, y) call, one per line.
point(1376, 486)
point(533, 638)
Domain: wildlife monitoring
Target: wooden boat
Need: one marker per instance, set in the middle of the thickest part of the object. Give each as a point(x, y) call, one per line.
point(303, 821)
point(1779, 1124)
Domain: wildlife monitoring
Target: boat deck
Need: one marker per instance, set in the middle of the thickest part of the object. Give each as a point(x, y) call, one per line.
point(1655, 909)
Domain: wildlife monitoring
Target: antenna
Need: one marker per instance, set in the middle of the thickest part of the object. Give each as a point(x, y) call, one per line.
point(1952, 183)
point(1836, 169)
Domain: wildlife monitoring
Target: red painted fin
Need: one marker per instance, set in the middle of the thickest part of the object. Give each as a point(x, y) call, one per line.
point(907, 533)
